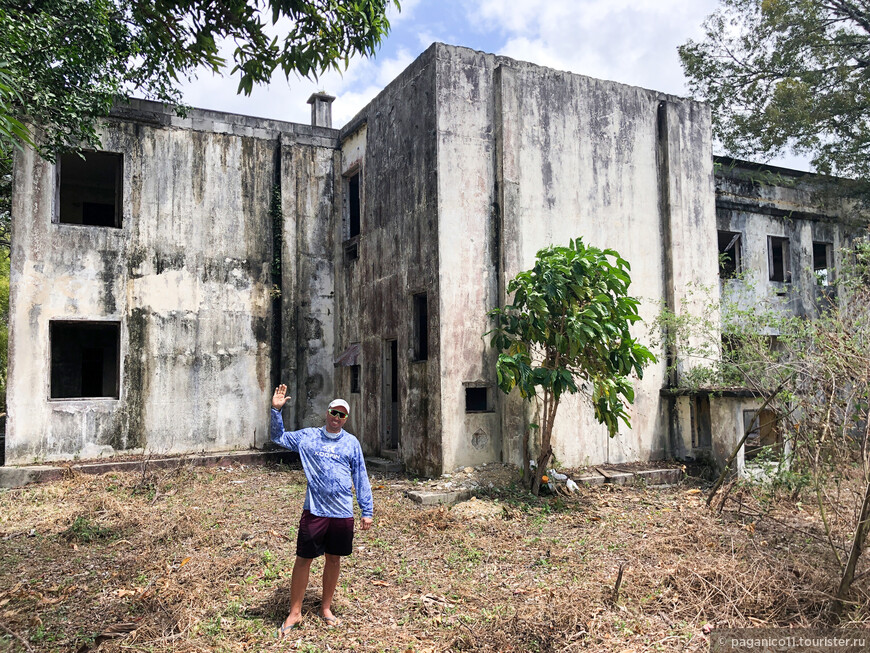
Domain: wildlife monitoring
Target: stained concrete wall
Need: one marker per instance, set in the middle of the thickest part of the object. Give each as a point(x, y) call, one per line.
point(187, 276)
point(759, 201)
point(392, 143)
point(347, 287)
point(529, 157)
point(469, 164)
point(309, 164)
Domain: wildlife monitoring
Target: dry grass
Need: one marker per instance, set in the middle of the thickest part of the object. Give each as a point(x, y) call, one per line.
point(200, 560)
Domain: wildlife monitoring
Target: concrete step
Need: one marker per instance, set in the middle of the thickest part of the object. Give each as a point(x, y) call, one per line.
point(383, 466)
point(390, 454)
point(667, 476)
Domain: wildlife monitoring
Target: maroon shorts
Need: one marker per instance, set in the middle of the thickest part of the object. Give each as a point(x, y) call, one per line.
point(319, 535)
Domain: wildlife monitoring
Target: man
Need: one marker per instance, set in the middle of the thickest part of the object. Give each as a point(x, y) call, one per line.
point(332, 459)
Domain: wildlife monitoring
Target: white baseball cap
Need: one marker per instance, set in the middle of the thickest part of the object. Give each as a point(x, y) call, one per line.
point(339, 403)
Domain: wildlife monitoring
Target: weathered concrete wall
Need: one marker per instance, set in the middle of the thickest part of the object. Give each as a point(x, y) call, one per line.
point(530, 157)
point(310, 207)
point(187, 276)
point(759, 201)
point(347, 287)
point(468, 241)
point(397, 258)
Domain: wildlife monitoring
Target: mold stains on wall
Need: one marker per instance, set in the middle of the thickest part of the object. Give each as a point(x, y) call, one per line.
point(111, 270)
point(137, 383)
point(308, 179)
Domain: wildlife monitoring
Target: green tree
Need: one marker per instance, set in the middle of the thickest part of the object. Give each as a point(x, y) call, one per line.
point(788, 74)
point(567, 330)
point(70, 61)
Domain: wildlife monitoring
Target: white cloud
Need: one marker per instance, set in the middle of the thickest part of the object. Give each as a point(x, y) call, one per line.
point(395, 16)
point(285, 99)
point(629, 41)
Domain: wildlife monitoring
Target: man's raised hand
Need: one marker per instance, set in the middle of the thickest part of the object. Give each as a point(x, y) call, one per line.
point(280, 397)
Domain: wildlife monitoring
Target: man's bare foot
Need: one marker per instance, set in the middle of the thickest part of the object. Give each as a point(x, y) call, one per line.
point(329, 619)
point(291, 623)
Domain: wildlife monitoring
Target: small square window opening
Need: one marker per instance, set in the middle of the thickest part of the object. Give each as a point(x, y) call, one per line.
point(89, 189)
point(85, 359)
point(476, 400)
point(729, 254)
point(778, 259)
point(823, 263)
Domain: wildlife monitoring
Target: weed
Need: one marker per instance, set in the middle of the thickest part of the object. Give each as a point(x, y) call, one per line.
point(42, 634)
point(85, 530)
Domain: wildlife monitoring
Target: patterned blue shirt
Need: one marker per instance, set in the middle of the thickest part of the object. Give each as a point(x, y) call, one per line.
point(331, 462)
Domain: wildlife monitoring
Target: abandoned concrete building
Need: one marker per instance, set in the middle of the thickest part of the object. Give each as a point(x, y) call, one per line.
point(163, 286)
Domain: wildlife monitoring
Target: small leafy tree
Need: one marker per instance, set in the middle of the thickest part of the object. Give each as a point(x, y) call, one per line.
point(567, 330)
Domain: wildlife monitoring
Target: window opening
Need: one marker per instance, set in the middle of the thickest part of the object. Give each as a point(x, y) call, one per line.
point(778, 259)
point(351, 250)
point(354, 379)
point(823, 263)
point(764, 433)
point(84, 359)
point(729, 254)
point(90, 189)
point(353, 206)
point(421, 327)
point(476, 400)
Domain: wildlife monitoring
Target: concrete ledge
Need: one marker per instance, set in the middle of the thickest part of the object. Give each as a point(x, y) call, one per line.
point(620, 478)
point(428, 498)
point(653, 477)
point(12, 477)
point(660, 476)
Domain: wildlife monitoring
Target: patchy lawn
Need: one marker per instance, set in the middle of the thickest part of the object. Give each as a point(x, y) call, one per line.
point(199, 560)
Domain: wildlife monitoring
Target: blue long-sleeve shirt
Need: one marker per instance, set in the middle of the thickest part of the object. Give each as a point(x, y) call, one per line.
point(332, 461)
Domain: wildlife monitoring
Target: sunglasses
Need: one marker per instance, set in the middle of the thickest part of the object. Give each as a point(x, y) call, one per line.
point(337, 413)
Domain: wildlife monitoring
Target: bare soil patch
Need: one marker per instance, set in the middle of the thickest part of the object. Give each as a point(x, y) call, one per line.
point(198, 559)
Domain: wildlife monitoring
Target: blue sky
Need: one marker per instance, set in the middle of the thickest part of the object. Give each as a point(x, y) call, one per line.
point(629, 41)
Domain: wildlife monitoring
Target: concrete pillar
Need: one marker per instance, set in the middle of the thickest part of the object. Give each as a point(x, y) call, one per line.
point(321, 109)
point(507, 174)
